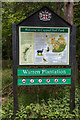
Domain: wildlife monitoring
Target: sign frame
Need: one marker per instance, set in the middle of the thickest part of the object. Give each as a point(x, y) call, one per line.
point(15, 44)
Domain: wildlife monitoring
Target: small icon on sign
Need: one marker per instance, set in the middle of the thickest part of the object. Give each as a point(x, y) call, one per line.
point(31, 80)
point(48, 80)
point(45, 16)
point(23, 81)
point(64, 80)
point(56, 80)
point(39, 80)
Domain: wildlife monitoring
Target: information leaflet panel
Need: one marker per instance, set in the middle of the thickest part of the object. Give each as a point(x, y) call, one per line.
point(43, 45)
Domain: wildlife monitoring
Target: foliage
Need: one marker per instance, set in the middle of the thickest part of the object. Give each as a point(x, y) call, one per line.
point(7, 112)
point(6, 76)
point(77, 23)
point(14, 12)
point(54, 108)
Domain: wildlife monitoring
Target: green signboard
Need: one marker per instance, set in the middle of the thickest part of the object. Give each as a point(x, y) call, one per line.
point(59, 30)
point(44, 81)
point(43, 72)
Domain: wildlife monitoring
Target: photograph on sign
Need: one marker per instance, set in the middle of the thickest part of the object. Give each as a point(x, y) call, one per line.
point(44, 45)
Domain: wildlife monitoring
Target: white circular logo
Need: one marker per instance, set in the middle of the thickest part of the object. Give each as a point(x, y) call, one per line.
point(48, 80)
point(56, 80)
point(64, 80)
point(45, 15)
point(23, 81)
point(39, 80)
point(31, 80)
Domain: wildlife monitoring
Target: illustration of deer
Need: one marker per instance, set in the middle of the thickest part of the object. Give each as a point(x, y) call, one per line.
point(39, 51)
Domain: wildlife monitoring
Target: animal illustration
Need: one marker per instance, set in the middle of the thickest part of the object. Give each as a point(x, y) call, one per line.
point(39, 51)
point(26, 49)
point(47, 49)
point(44, 60)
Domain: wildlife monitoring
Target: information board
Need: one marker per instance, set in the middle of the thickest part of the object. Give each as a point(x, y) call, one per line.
point(44, 45)
point(43, 72)
point(44, 52)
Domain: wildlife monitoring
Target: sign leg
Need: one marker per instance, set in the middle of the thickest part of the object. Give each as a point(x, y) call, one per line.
point(14, 70)
point(73, 56)
point(15, 93)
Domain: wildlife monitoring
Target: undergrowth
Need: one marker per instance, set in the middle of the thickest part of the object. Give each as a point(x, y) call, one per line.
point(54, 108)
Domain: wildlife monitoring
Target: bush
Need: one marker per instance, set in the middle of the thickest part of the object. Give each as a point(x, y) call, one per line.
point(54, 108)
point(7, 111)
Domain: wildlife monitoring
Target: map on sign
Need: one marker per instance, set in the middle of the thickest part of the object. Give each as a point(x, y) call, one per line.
point(43, 46)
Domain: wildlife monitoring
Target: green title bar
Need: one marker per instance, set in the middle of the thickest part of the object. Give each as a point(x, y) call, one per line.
point(44, 81)
point(43, 72)
point(55, 30)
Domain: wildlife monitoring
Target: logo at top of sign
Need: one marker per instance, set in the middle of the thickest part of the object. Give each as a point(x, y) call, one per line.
point(45, 15)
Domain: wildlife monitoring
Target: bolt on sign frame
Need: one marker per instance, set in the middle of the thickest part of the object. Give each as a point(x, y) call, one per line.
point(44, 52)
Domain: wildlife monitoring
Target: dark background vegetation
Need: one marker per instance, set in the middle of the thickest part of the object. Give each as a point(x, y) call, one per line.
point(14, 12)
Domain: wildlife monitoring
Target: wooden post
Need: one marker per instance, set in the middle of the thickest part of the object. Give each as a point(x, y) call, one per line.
point(14, 69)
point(79, 71)
point(73, 54)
